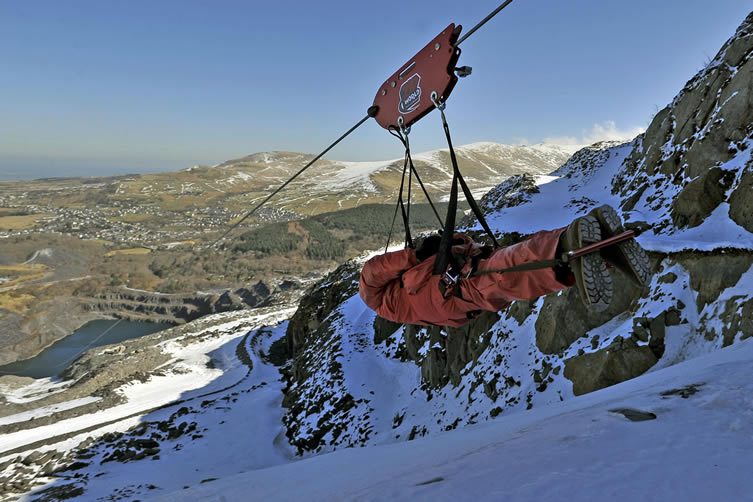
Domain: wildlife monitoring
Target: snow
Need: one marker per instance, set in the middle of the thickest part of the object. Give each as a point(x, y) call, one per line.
point(546, 148)
point(247, 434)
point(189, 373)
point(36, 390)
point(141, 398)
point(359, 173)
point(48, 410)
point(237, 177)
point(717, 231)
point(556, 204)
point(698, 448)
point(544, 179)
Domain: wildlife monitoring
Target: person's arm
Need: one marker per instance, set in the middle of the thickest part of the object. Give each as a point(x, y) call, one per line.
point(380, 271)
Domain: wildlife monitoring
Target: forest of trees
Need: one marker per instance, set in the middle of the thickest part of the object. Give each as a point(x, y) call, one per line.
point(330, 235)
point(273, 238)
point(291, 247)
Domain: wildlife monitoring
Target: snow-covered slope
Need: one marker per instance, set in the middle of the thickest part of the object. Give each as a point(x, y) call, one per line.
point(213, 409)
point(692, 441)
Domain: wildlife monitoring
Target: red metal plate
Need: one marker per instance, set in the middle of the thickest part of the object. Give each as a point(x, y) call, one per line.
point(407, 93)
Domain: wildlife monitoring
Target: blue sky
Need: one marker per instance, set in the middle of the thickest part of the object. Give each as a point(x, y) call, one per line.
point(105, 87)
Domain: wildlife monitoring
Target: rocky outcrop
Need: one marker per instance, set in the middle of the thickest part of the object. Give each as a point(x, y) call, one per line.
point(564, 318)
point(512, 192)
point(319, 302)
point(620, 361)
point(443, 353)
point(695, 155)
point(140, 305)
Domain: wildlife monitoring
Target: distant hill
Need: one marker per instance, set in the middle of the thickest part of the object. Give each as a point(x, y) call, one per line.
point(332, 184)
point(208, 198)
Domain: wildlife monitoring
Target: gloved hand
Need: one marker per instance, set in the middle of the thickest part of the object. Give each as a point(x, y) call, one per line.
point(428, 247)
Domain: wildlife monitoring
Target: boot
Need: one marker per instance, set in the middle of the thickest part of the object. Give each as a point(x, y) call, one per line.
point(591, 275)
point(627, 256)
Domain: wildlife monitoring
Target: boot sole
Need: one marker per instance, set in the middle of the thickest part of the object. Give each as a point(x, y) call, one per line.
point(628, 255)
point(597, 282)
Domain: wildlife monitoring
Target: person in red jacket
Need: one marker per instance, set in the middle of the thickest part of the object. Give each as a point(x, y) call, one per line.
point(400, 285)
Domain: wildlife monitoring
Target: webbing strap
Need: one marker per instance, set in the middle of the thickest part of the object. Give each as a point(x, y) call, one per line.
point(525, 267)
point(410, 186)
point(406, 143)
point(405, 211)
point(400, 206)
point(444, 256)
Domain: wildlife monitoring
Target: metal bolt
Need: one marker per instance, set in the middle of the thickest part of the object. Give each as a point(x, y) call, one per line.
point(384, 91)
point(393, 84)
point(437, 46)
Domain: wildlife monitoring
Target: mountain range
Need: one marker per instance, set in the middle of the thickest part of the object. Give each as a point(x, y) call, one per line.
point(339, 184)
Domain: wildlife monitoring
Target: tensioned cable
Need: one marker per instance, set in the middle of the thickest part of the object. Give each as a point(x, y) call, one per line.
point(482, 22)
point(371, 113)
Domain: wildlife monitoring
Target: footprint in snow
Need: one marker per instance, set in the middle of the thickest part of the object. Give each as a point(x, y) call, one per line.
point(684, 392)
point(634, 415)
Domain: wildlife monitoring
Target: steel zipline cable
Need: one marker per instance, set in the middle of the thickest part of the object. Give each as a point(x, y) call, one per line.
point(482, 22)
point(372, 112)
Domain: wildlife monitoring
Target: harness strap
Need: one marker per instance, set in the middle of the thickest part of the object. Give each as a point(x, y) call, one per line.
point(402, 135)
point(444, 262)
point(400, 206)
point(405, 140)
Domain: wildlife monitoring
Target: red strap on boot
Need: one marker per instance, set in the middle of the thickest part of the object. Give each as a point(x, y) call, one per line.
point(405, 97)
point(596, 246)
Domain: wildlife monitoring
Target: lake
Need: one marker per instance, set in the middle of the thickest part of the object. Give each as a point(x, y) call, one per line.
point(53, 360)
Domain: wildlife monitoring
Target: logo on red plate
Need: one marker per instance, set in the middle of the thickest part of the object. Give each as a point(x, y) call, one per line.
point(410, 94)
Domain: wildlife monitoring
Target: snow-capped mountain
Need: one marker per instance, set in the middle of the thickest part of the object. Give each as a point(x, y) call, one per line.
point(346, 184)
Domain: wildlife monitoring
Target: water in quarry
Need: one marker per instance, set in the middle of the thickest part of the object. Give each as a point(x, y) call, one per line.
point(53, 360)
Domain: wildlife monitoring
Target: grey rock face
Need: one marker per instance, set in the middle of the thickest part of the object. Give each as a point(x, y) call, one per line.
point(564, 318)
point(618, 362)
point(741, 202)
point(683, 160)
point(319, 302)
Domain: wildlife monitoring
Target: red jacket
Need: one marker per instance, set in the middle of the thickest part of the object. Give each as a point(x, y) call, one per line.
point(401, 289)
